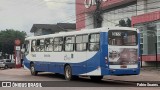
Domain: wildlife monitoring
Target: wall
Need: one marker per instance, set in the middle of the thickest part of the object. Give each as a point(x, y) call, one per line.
point(148, 16)
point(112, 17)
point(83, 11)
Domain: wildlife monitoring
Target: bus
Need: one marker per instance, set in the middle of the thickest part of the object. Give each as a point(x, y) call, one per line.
point(89, 52)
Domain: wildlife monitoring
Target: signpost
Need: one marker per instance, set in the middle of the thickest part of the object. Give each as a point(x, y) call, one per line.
point(17, 55)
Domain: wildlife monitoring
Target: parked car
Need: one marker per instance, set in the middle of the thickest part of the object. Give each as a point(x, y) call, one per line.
point(7, 63)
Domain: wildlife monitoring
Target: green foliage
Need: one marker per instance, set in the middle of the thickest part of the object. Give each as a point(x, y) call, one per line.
point(7, 38)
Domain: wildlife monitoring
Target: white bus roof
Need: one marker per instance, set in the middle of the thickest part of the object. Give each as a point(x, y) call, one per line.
point(83, 31)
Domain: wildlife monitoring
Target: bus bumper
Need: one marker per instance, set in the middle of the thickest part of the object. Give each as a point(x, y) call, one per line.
point(120, 72)
point(124, 71)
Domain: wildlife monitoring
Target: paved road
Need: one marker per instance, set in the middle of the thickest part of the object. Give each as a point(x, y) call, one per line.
point(61, 83)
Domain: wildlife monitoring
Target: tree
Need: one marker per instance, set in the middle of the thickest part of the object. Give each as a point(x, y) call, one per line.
point(7, 38)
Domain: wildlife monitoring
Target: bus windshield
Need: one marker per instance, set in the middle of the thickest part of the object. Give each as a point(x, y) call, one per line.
point(122, 38)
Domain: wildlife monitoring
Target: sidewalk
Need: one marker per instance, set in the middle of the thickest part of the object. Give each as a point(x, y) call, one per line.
point(146, 74)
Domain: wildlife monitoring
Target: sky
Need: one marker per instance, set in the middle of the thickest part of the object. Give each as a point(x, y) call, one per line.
point(22, 14)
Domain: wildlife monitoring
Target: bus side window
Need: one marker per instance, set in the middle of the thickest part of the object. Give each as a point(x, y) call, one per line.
point(26, 47)
point(94, 41)
point(40, 45)
point(69, 43)
point(58, 44)
point(48, 44)
point(81, 42)
point(33, 45)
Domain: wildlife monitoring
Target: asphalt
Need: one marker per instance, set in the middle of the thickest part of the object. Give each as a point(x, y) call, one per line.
point(146, 74)
point(108, 83)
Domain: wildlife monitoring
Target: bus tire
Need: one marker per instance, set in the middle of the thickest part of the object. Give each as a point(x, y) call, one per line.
point(68, 73)
point(33, 71)
point(96, 78)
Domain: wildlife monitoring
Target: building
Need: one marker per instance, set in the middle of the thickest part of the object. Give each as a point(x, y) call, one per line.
point(144, 14)
point(43, 29)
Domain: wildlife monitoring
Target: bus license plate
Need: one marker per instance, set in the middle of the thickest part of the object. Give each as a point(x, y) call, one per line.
point(123, 66)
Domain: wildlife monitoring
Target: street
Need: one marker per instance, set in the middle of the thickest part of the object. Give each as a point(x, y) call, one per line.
point(118, 39)
point(57, 80)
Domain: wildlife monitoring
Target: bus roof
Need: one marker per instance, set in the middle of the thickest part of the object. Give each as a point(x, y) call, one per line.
point(83, 31)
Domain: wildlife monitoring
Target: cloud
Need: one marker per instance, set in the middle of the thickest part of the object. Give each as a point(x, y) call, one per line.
point(63, 9)
point(22, 14)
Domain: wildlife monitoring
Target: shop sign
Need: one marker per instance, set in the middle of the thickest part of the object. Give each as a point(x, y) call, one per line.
point(18, 48)
point(17, 42)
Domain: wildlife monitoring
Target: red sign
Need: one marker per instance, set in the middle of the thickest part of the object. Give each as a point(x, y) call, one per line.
point(148, 17)
point(17, 42)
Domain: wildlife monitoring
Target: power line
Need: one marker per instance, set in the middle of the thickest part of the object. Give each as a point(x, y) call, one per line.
point(86, 12)
point(128, 11)
point(87, 4)
point(119, 18)
point(135, 9)
point(84, 4)
point(111, 21)
point(67, 2)
point(81, 18)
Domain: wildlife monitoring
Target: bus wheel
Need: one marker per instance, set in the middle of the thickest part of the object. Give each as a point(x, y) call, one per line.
point(32, 69)
point(68, 73)
point(96, 78)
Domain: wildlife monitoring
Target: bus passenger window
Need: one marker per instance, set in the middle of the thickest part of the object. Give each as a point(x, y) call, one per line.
point(94, 42)
point(49, 44)
point(58, 44)
point(81, 42)
point(26, 47)
point(40, 45)
point(33, 46)
point(94, 46)
point(69, 43)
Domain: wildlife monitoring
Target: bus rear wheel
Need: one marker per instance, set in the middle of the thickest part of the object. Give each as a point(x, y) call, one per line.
point(33, 71)
point(68, 73)
point(96, 78)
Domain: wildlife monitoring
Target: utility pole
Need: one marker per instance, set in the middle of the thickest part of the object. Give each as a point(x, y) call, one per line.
point(156, 55)
point(98, 15)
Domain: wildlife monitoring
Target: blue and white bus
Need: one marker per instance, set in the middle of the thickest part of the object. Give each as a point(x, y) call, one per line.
point(90, 52)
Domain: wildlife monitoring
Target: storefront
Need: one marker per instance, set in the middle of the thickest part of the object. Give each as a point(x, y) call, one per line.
point(149, 26)
point(144, 15)
point(113, 12)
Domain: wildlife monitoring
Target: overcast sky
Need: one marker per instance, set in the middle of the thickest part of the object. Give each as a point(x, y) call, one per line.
point(22, 14)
